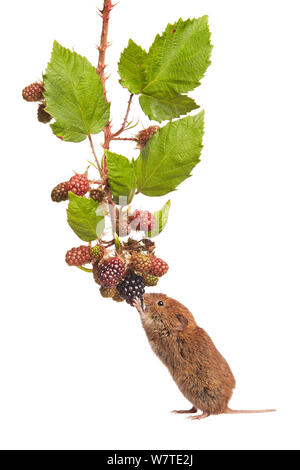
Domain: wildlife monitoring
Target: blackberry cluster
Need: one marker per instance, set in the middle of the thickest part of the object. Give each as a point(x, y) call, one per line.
point(131, 287)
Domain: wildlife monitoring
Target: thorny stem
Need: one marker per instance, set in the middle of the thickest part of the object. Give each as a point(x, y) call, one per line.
point(125, 121)
point(108, 135)
point(94, 153)
point(125, 138)
point(104, 13)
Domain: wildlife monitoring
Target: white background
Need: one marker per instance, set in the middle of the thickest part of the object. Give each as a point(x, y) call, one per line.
point(76, 371)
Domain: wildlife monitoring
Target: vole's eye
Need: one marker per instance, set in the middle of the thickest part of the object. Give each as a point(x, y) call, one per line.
point(160, 303)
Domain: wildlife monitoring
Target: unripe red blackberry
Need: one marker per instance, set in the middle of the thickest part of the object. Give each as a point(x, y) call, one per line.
point(110, 272)
point(144, 135)
point(150, 280)
point(131, 287)
point(33, 92)
point(107, 292)
point(60, 192)
point(159, 267)
point(141, 263)
point(97, 195)
point(97, 252)
point(143, 221)
point(79, 185)
point(42, 115)
point(78, 256)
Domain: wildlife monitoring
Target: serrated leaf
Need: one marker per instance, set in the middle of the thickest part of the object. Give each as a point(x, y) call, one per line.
point(167, 107)
point(178, 58)
point(161, 218)
point(85, 217)
point(175, 64)
point(170, 155)
point(74, 95)
point(121, 177)
point(131, 68)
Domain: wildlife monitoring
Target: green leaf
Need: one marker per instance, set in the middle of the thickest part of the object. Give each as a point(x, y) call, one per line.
point(175, 64)
point(161, 218)
point(121, 177)
point(131, 68)
point(170, 155)
point(178, 59)
point(85, 217)
point(74, 95)
point(167, 107)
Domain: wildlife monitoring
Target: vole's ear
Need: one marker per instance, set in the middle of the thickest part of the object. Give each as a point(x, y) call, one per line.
point(181, 322)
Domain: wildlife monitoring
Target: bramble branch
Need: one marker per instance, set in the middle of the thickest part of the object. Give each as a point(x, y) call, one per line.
point(122, 128)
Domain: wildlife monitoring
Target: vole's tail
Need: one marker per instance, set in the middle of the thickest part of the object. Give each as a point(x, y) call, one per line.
point(247, 411)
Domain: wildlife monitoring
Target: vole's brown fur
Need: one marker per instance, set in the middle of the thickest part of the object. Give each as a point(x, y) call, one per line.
point(199, 370)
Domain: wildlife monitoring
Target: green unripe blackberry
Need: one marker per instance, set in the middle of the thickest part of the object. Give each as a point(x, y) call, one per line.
point(97, 252)
point(150, 280)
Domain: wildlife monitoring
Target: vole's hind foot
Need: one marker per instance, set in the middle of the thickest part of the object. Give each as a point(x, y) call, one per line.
point(202, 416)
point(179, 412)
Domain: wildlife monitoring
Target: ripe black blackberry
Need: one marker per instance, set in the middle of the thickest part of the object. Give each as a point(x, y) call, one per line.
point(60, 192)
point(110, 272)
point(42, 115)
point(97, 194)
point(131, 287)
point(33, 92)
